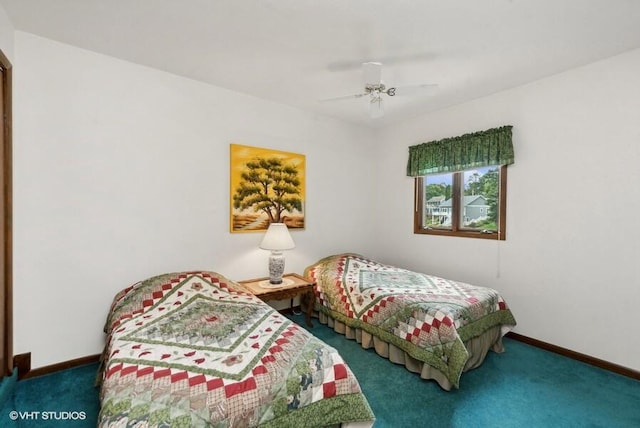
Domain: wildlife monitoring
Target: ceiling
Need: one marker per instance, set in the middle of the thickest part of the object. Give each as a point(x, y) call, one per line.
point(298, 52)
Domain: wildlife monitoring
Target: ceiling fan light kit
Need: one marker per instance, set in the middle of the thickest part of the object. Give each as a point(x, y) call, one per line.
point(375, 107)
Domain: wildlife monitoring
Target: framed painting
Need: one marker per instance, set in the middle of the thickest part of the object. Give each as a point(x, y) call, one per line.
point(267, 186)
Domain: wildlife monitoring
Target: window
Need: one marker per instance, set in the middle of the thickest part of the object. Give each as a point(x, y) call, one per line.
point(467, 203)
point(461, 184)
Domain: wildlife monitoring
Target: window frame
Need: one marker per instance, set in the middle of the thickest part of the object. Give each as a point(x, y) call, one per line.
point(456, 229)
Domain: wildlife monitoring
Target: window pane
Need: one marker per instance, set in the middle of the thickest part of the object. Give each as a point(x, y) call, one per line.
point(437, 201)
point(479, 210)
point(478, 207)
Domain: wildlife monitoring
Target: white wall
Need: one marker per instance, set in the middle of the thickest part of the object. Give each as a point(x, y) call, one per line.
point(569, 266)
point(6, 34)
point(121, 172)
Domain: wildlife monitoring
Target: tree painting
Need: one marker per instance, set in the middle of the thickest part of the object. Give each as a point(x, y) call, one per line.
point(267, 186)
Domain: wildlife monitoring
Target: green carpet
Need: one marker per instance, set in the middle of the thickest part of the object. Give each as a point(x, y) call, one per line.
point(524, 387)
point(62, 399)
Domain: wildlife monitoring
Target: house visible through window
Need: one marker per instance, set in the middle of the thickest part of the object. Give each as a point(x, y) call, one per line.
point(466, 203)
point(461, 184)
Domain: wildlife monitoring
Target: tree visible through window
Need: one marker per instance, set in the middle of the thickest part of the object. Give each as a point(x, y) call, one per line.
point(468, 203)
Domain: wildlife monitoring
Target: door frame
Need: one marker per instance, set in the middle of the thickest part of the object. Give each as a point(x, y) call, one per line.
point(6, 363)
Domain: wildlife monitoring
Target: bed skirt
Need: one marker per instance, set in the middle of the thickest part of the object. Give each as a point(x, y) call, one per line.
point(477, 348)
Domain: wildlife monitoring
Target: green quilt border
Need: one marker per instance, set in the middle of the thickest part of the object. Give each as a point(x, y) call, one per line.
point(329, 411)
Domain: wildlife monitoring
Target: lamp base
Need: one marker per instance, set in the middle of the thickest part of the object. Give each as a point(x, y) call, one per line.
point(276, 267)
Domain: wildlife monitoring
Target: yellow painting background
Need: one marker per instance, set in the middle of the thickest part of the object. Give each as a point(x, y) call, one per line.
point(241, 154)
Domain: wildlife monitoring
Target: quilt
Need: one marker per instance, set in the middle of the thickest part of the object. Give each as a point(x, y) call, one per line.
point(194, 349)
point(428, 317)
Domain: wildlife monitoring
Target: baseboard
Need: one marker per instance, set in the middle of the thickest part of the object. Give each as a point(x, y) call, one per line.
point(606, 365)
point(22, 363)
point(40, 371)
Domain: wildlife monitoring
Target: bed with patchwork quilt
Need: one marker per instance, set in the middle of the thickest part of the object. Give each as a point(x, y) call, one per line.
point(436, 327)
point(194, 349)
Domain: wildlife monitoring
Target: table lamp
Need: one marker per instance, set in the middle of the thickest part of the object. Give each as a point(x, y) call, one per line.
point(277, 239)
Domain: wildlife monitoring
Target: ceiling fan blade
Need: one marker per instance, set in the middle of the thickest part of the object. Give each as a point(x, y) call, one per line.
point(425, 89)
point(345, 97)
point(372, 73)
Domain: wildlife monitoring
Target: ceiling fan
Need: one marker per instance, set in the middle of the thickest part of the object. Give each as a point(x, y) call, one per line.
point(375, 90)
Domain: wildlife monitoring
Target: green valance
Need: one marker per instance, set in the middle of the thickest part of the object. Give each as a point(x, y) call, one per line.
point(484, 148)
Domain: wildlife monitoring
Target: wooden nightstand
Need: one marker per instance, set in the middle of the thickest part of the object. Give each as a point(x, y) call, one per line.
point(292, 285)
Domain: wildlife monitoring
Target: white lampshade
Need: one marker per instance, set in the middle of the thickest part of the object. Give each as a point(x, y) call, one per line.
point(277, 238)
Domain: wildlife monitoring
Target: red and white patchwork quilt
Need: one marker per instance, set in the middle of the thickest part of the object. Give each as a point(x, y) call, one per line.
point(195, 349)
point(428, 317)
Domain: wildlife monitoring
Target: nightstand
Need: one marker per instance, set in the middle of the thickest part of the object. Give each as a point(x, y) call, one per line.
point(293, 285)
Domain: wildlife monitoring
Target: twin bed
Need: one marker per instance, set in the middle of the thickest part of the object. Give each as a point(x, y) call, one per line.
point(196, 349)
point(436, 327)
